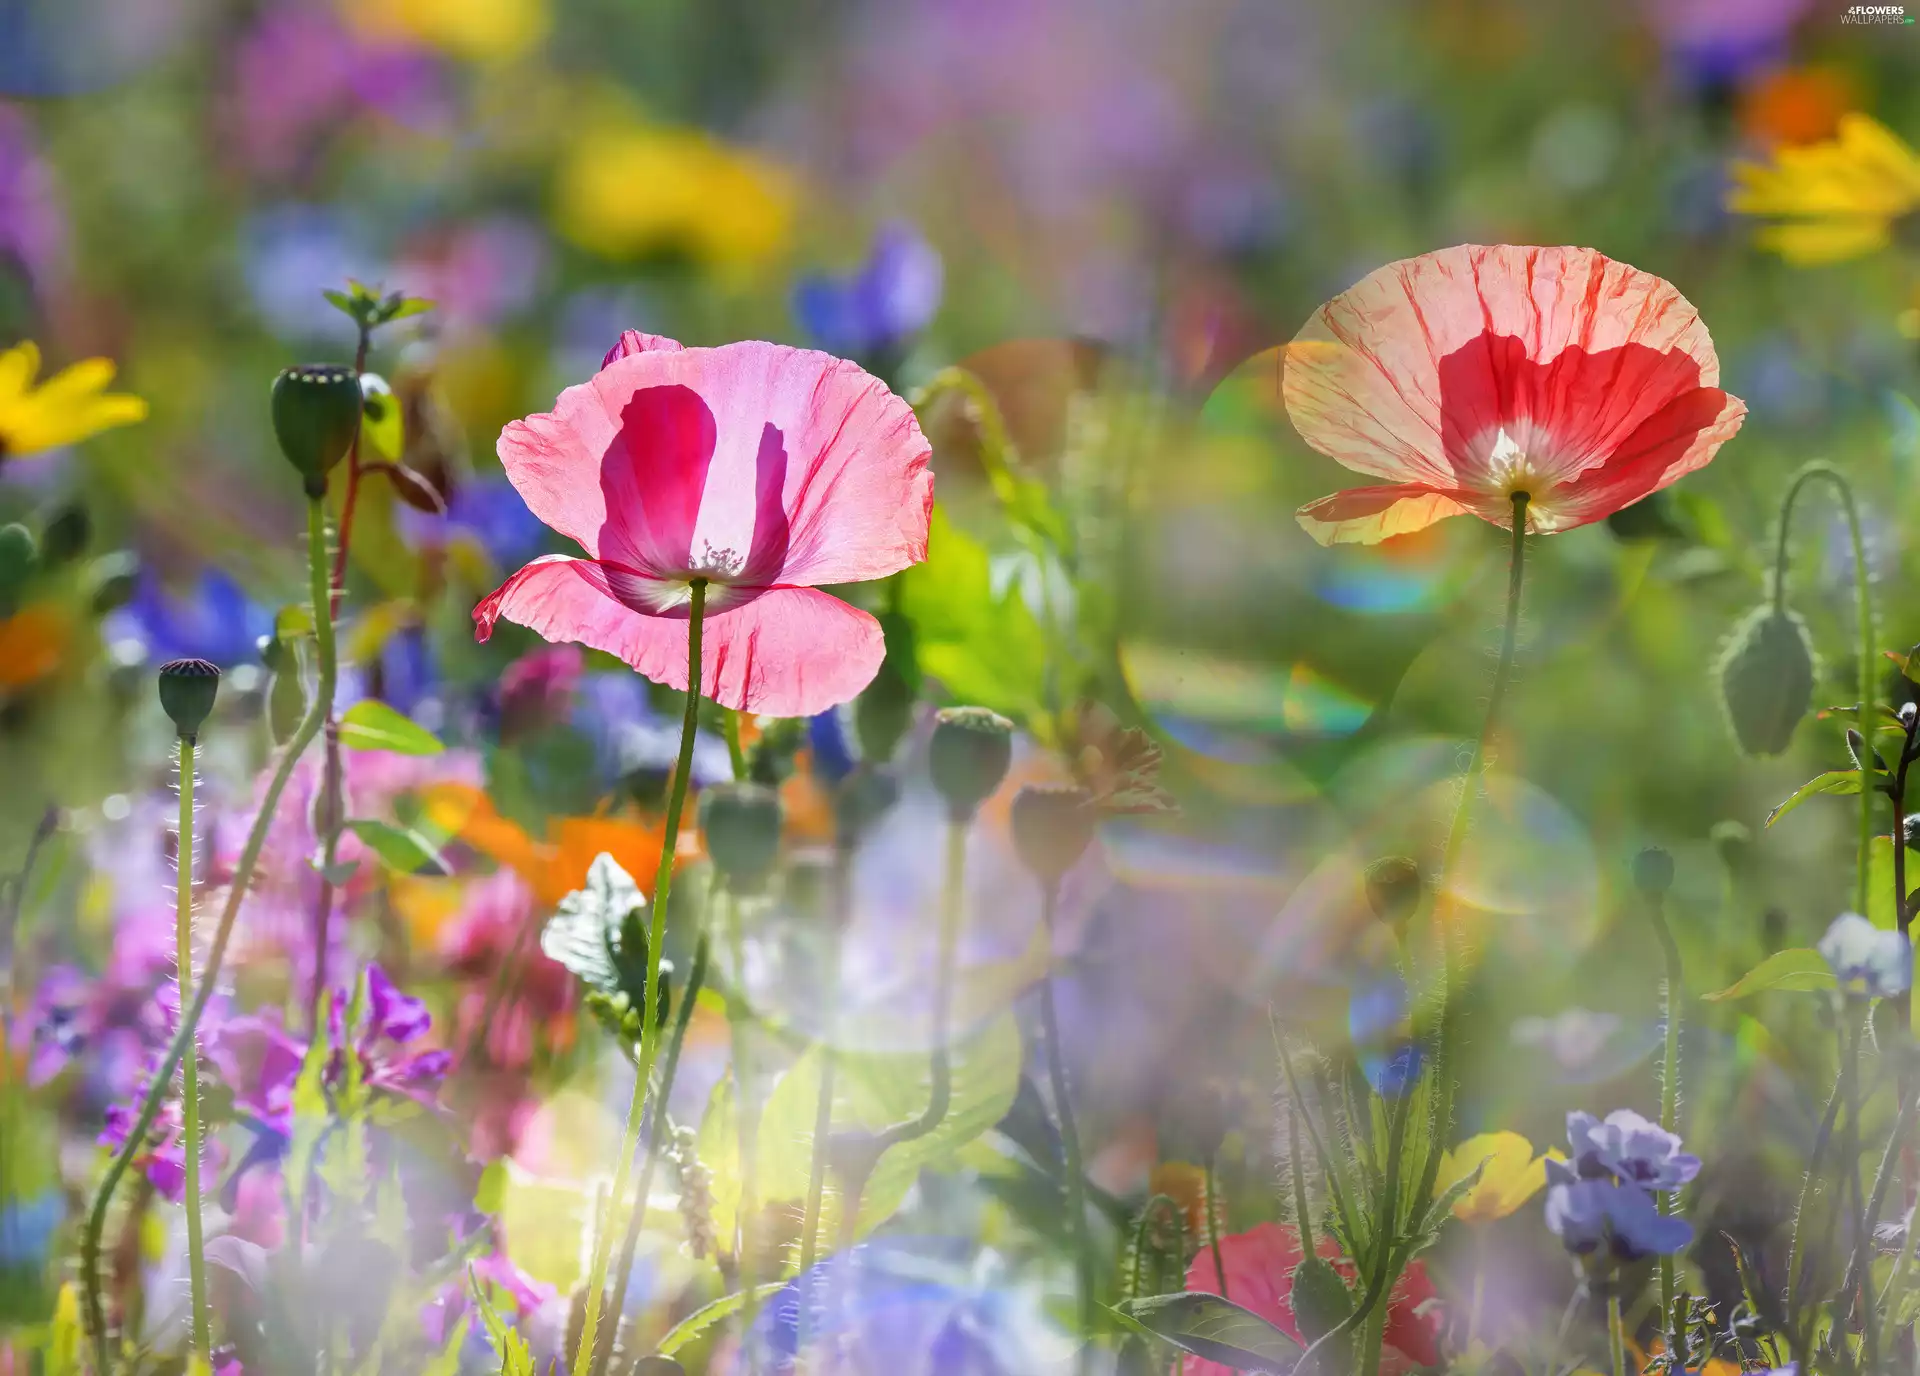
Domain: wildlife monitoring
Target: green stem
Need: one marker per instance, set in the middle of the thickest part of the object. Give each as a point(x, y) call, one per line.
point(1673, 995)
point(1076, 1180)
point(829, 1060)
point(183, 1037)
point(1373, 1337)
point(1443, 1015)
point(746, 1119)
point(189, 1068)
point(1795, 1280)
point(1864, 596)
point(656, 1124)
point(649, 1024)
point(1213, 1226)
point(1616, 1333)
point(736, 754)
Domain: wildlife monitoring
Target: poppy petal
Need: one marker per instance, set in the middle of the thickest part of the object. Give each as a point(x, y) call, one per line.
point(1368, 515)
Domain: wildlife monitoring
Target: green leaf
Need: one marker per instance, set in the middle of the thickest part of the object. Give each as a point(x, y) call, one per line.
point(873, 1091)
point(412, 305)
point(382, 430)
point(1795, 971)
point(1844, 782)
point(599, 933)
point(403, 850)
point(985, 647)
point(312, 1115)
point(372, 725)
point(1217, 1330)
point(705, 1317)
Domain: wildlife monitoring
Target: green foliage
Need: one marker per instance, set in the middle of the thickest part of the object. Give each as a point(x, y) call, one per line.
point(599, 933)
point(1796, 971)
point(1215, 1329)
point(401, 849)
point(369, 307)
point(1766, 677)
point(372, 725)
point(983, 645)
point(1838, 782)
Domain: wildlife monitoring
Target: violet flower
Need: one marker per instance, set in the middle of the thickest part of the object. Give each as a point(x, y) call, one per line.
point(1869, 962)
point(1628, 1148)
point(878, 309)
point(1594, 1216)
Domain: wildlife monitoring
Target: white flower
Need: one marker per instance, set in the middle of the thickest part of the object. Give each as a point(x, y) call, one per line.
point(1870, 962)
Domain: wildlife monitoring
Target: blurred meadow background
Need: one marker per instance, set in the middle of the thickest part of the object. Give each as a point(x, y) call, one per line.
point(1107, 215)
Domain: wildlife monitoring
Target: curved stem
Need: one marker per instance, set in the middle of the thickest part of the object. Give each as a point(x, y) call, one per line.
point(655, 1127)
point(309, 727)
point(189, 1068)
point(829, 1060)
point(1443, 1014)
point(1673, 995)
point(1863, 595)
point(650, 1023)
point(746, 1119)
point(1076, 1180)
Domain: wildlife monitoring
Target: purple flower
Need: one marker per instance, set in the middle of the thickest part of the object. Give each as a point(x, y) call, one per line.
point(833, 756)
point(1628, 1148)
point(1869, 962)
point(879, 308)
point(33, 231)
point(1591, 1216)
point(485, 510)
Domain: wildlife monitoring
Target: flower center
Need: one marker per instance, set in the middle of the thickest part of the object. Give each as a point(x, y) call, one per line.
point(715, 565)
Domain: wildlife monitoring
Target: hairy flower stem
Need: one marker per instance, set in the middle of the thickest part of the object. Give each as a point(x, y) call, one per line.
point(1672, 997)
point(1863, 595)
point(1212, 1195)
point(940, 1091)
point(655, 1128)
point(190, 1068)
point(746, 1117)
point(1796, 1279)
point(183, 1037)
point(332, 808)
point(829, 1059)
point(649, 1025)
point(1616, 1333)
point(1076, 1180)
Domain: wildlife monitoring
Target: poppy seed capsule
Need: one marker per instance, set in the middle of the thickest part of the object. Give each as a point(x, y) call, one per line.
point(1766, 679)
point(741, 823)
point(316, 414)
point(970, 753)
point(1394, 889)
point(1053, 824)
point(1653, 871)
point(187, 691)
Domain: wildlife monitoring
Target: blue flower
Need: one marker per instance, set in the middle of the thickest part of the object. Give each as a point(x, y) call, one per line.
point(488, 511)
point(909, 1305)
point(1628, 1148)
point(1870, 962)
point(1379, 1023)
point(1594, 1216)
point(883, 305)
point(833, 757)
point(214, 620)
point(27, 1227)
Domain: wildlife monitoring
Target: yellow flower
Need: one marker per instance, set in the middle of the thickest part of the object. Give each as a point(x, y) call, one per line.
point(65, 409)
point(1835, 200)
point(483, 30)
point(630, 190)
point(1510, 1175)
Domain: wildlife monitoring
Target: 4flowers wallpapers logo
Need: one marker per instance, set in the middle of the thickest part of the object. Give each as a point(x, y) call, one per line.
point(742, 514)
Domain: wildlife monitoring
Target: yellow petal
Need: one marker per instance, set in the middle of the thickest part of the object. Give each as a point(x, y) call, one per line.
point(1811, 243)
point(1510, 1175)
point(17, 368)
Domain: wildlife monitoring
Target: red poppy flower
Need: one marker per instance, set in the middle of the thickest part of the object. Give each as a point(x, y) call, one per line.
point(764, 470)
point(1466, 376)
point(1260, 1265)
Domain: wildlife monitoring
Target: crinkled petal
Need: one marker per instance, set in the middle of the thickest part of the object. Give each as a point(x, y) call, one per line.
point(1681, 437)
point(1368, 515)
point(1363, 379)
point(639, 342)
point(786, 652)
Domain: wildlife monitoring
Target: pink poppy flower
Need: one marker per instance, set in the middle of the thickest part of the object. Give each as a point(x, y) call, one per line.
point(1466, 376)
point(1260, 1264)
point(764, 470)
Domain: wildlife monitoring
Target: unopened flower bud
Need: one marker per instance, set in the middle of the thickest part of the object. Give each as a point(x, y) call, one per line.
point(741, 823)
point(1910, 830)
point(1733, 843)
point(1766, 679)
point(316, 414)
point(1653, 871)
point(1053, 824)
point(187, 690)
point(971, 751)
point(1394, 889)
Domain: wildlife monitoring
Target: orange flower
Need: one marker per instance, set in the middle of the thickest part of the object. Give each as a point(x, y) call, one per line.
point(558, 865)
point(1795, 106)
point(33, 644)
